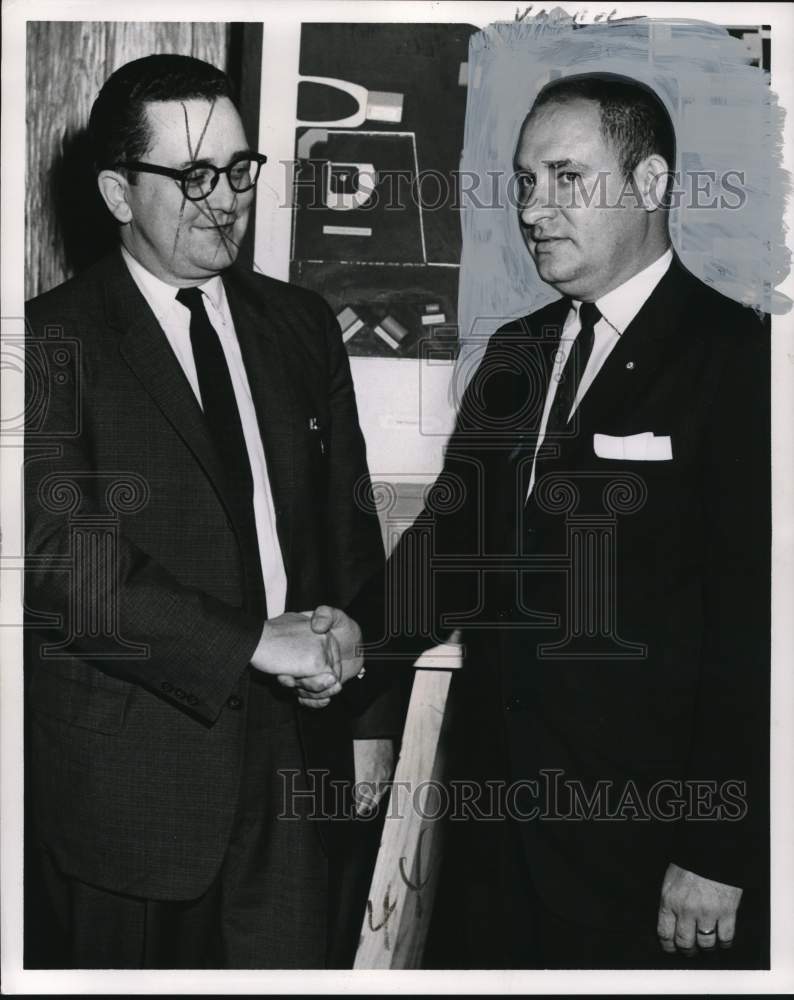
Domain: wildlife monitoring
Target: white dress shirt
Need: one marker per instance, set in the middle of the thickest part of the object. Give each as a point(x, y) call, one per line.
point(618, 308)
point(174, 318)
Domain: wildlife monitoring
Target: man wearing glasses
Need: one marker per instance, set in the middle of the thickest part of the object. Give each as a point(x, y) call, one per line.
point(208, 414)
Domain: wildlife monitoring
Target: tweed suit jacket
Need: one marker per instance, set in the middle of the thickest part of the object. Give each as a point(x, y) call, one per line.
point(138, 639)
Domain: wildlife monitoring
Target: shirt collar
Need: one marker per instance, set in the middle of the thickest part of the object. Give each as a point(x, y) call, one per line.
point(621, 305)
point(159, 294)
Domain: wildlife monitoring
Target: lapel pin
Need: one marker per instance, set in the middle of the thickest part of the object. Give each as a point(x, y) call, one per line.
point(630, 365)
point(314, 424)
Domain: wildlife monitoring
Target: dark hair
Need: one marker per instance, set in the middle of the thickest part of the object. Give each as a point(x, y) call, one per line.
point(633, 117)
point(118, 128)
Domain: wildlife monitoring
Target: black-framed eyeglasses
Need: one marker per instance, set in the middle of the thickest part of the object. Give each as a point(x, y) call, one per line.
point(200, 181)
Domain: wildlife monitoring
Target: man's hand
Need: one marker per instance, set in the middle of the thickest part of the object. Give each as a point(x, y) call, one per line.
point(696, 913)
point(301, 658)
point(313, 652)
point(374, 767)
point(333, 622)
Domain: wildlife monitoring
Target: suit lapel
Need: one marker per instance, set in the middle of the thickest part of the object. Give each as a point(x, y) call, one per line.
point(633, 364)
point(145, 348)
point(545, 333)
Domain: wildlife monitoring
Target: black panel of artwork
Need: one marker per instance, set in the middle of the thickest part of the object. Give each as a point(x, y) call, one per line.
point(377, 225)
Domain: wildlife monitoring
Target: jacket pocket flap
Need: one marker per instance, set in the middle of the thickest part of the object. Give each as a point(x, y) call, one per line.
point(70, 700)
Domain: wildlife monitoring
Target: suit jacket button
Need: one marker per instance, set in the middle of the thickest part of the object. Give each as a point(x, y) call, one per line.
point(234, 702)
point(192, 699)
point(180, 693)
point(167, 687)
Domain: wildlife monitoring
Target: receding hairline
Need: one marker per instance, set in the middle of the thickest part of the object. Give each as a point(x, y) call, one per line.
point(553, 102)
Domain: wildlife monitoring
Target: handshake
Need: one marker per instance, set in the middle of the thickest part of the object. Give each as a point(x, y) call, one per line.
point(313, 652)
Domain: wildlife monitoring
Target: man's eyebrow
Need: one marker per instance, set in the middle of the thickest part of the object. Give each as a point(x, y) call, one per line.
point(557, 164)
point(554, 165)
point(205, 161)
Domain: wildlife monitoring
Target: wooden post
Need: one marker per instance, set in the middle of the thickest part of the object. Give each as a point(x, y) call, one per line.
point(403, 885)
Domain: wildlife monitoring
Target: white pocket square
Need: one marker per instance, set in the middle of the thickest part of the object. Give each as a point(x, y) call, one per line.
point(646, 447)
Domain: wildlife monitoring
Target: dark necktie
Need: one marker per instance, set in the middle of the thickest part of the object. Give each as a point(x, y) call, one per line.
point(579, 355)
point(222, 418)
point(217, 394)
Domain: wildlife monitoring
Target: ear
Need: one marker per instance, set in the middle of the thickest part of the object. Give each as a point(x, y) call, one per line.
point(652, 175)
point(113, 187)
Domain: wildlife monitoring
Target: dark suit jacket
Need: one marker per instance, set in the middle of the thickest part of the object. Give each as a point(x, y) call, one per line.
point(617, 626)
point(137, 698)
